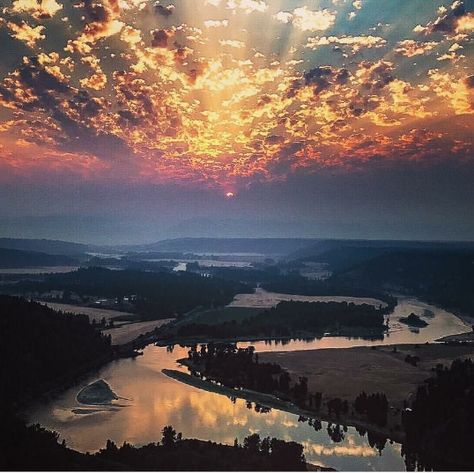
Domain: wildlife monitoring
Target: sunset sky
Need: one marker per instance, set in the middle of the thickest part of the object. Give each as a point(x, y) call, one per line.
point(251, 117)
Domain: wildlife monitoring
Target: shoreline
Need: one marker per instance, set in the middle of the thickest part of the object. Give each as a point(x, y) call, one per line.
point(271, 401)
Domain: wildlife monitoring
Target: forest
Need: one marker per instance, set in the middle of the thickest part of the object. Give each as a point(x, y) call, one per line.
point(440, 422)
point(442, 277)
point(41, 348)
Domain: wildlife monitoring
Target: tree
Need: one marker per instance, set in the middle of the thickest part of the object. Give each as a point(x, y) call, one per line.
point(170, 437)
point(284, 382)
point(252, 443)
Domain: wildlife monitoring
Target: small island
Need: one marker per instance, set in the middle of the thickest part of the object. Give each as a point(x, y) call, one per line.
point(98, 392)
point(414, 321)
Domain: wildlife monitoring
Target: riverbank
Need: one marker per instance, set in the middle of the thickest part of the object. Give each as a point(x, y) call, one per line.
point(459, 338)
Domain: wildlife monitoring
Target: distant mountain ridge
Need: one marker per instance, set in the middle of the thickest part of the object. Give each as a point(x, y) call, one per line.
point(52, 247)
point(267, 246)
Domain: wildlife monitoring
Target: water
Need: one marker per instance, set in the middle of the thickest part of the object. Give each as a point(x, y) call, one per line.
point(154, 400)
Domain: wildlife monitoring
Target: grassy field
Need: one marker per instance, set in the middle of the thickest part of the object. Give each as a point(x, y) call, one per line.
point(129, 332)
point(345, 373)
point(224, 314)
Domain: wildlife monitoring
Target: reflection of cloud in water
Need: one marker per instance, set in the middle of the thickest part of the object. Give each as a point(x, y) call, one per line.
point(85, 411)
point(340, 450)
point(288, 423)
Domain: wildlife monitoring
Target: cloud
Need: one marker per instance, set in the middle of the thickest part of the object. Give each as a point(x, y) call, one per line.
point(411, 48)
point(216, 23)
point(248, 6)
point(355, 43)
point(39, 10)
point(232, 43)
point(456, 19)
point(457, 92)
point(101, 21)
point(307, 20)
point(22, 31)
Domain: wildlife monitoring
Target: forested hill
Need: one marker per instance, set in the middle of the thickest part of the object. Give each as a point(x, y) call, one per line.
point(316, 251)
point(442, 277)
point(40, 348)
point(20, 259)
point(154, 295)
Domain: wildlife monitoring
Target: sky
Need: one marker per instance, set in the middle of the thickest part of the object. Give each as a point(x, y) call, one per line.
point(135, 120)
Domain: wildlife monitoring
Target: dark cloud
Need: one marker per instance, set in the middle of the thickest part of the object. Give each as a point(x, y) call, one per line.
point(320, 78)
point(380, 75)
point(160, 38)
point(57, 99)
point(274, 139)
point(448, 22)
point(469, 81)
point(164, 11)
point(264, 100)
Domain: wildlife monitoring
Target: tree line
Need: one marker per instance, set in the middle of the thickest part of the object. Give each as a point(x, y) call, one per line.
point(291, 318)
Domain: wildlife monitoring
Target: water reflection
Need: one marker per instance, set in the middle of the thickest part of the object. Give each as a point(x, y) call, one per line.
point(440, 323)
point(156, 401)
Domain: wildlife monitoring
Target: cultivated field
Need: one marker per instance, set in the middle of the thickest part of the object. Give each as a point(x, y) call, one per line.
point(91, 312)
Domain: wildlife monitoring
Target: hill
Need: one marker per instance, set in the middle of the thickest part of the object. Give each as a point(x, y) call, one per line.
point(41, 348)
point(444, 277)
point(20, 259)
point(324, 250)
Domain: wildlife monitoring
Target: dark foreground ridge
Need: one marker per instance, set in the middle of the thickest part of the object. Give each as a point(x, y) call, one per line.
point(35, 449)
point(42, 349)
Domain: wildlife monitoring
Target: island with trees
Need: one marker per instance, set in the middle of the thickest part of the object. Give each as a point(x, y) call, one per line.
point(413, 320)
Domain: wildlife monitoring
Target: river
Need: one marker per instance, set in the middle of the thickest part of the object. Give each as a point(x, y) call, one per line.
point(153, 400)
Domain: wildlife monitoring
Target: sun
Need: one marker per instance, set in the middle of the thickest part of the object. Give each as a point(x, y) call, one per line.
point(230, 195)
